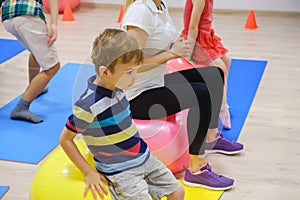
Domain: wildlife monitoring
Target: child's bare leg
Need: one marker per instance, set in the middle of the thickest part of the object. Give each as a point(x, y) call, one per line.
point(227, 62)
point(37, 84)
point(33, 70)
point(219, 63)
point(33, 67)
point(224, 112)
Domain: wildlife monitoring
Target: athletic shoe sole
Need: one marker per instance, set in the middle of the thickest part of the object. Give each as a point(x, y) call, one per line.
point(223, 152)
point(205, 186)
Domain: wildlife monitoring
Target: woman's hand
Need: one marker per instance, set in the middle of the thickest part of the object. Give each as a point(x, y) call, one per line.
point(181, 48)
point(96, 182)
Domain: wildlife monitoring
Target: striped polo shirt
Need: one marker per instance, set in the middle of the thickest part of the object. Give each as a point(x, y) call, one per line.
point(104, 119)
point(15, 8)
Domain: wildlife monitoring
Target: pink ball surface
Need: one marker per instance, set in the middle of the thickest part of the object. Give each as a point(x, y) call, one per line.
point(167, 139)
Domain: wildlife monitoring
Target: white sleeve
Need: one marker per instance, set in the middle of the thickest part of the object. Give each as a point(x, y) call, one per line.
point(138, 15)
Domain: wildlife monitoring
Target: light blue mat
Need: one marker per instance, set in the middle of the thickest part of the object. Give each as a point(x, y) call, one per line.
point(243, 81)
point(26, 142)
point(23, 141)
point(3, 191)
point(9, 48)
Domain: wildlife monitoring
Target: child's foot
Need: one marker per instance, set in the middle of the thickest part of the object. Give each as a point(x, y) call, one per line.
point(206, 178)
point(225, 116)
point(224, 146)
point(25, 115)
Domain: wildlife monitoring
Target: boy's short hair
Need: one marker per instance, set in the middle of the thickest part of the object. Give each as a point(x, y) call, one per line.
point(114, 45)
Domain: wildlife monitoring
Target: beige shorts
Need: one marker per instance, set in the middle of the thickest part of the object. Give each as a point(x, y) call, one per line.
point(31, 31)
point(151, 180)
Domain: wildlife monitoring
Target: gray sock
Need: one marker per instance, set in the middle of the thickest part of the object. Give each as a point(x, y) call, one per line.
point(21, 112)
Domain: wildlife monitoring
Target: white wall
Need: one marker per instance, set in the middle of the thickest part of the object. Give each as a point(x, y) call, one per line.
point(267, 5)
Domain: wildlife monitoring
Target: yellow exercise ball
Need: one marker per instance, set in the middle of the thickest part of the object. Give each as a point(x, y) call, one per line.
point(59, 179)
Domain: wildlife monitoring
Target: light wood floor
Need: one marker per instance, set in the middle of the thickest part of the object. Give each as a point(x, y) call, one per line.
point(268, 169)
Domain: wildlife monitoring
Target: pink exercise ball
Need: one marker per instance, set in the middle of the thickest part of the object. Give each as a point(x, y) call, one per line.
point(167, 139)
point(61, 4)
point(179, 64)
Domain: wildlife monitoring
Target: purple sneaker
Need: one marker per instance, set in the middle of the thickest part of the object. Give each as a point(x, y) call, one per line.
point(223, 145)
point(208, 179)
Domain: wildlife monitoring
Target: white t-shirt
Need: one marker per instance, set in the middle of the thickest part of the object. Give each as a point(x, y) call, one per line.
point(161, 33)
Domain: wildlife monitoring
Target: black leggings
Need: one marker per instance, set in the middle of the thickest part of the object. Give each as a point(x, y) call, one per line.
point(199, 89)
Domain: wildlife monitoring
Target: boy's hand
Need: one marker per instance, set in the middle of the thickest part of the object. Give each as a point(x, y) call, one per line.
point(96, 182)
point(52, 34)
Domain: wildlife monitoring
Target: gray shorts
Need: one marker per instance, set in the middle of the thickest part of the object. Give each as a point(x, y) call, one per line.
point(31, 32)
point(151, 180)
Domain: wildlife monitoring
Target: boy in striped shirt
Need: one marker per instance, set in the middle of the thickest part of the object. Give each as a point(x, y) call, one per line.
point(102, 115)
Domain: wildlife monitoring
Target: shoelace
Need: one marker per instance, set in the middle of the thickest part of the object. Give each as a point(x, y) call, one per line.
point(222, 137)
point(208, 168)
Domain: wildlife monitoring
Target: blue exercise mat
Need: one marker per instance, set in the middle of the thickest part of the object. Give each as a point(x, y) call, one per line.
point(9, 48)
point(243, 81)
point(3, 191)
point(26, 142)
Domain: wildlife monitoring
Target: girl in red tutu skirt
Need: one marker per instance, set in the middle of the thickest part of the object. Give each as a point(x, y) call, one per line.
point(208, 48)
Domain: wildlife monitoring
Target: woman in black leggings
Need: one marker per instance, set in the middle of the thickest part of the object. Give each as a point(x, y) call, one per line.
point(155, 95)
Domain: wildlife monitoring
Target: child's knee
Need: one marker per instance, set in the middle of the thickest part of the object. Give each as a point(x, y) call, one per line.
point(221, 65)
point(53, 70)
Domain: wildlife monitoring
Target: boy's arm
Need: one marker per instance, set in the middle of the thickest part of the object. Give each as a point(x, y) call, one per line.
point(52, 27)
point(94, 180)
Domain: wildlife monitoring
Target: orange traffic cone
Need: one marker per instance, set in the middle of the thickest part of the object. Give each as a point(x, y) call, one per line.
point(68, 15)
point(121, 14)
point(251, 21)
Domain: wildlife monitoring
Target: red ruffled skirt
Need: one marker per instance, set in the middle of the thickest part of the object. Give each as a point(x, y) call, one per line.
point(208, 47)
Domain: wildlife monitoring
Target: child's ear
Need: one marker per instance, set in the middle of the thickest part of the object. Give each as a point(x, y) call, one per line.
point(103, 71)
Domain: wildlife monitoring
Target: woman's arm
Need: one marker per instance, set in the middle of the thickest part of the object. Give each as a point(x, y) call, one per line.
point(93, 179)
point(180, 48)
